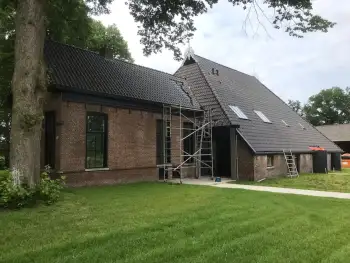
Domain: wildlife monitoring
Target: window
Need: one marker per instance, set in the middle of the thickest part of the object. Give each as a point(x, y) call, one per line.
point(188, 141)
point(262, 116)
point(238, 112)
point(270, 159)
point(302, 126)
point(96, 140)
point(285, 123)
point(163, 142)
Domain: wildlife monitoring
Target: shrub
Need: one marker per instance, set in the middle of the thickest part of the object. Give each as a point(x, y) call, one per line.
point(14, 195)
point(49, 190)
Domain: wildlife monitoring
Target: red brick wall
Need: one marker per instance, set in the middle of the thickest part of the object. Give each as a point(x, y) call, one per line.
point(131, 145)
point(245, 160)
point(110, 177)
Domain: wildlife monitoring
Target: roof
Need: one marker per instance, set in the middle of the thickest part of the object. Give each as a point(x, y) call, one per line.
point(78, 70)
point(336, 132)
point(233, 88)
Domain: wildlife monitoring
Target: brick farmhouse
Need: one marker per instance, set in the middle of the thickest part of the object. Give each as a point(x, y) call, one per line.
point(104, 123)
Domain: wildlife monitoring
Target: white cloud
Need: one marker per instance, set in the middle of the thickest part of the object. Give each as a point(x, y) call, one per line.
point(292, 68)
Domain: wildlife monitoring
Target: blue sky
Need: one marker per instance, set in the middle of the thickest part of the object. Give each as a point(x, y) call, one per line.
point(292, 68)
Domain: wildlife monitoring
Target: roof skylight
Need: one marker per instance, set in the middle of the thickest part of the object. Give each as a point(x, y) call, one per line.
point(238, 112)
point(302, 126)
point(262, 116)
point(285, 123)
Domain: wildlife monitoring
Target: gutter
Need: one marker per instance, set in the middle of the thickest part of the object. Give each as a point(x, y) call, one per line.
point(106, 95)
point(294, 152)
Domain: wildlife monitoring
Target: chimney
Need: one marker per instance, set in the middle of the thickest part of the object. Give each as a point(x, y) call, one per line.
point(215, 71)
point(106, 52)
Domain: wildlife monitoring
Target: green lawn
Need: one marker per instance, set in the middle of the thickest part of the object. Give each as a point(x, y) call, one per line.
point(154, 222)
point(334, 181)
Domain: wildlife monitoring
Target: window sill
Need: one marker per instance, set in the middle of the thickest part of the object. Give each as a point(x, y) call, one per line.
point(96, 169)
point(270, 167)
point(162, 165)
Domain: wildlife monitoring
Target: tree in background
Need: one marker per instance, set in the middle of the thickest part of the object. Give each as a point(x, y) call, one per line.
point(296, 106)
point(330, 106)
point(67, 22)
point(110, 37)
point(164, 24)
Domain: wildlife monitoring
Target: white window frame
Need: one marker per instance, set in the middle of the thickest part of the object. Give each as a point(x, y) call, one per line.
point(240, 114)
point(262, 116)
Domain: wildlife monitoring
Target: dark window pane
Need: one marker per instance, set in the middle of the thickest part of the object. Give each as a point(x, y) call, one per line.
point(96, 123)
point(96, 134)
point(270, 160)
point(90, 142)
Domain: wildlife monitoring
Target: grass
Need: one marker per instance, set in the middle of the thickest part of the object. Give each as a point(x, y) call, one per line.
point(154, 222)
point(335, 181)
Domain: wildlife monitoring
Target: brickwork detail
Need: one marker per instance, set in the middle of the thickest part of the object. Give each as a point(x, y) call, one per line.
point(131, 149)
point(306, 164)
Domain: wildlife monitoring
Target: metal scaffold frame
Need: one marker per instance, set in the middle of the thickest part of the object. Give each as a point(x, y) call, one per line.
point(202, 127)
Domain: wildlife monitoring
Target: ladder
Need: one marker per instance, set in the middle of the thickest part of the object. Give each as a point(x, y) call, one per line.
point(291, 166)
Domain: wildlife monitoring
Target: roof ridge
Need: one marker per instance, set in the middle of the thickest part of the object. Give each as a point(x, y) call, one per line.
point(113, 59)
point(214, 92)
point(224, 65)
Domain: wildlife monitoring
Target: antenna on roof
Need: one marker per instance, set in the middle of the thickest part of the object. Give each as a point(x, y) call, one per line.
point(189, 51)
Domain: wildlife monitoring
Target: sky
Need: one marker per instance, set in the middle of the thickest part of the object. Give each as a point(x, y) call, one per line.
point(292, 68)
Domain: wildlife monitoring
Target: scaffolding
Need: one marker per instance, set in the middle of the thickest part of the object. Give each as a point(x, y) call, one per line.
point(199, 155)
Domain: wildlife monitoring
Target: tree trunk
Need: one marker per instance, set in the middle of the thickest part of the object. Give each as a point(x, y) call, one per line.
point(7, 119)
point(28, 90)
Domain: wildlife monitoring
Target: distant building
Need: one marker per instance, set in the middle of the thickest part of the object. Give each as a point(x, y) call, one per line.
point(338, 133)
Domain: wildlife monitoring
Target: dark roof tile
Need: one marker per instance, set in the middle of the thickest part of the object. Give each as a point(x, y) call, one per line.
point(232, 87)
point(87, 72)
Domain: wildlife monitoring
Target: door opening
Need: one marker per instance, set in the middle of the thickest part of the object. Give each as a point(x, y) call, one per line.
point(50, 138)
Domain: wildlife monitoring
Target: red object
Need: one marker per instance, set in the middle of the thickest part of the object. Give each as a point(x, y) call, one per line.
point(345, 160)
point(316, 148)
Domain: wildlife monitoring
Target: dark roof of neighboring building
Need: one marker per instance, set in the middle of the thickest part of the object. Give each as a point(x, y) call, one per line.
point(78, 70)
point(336, 132)
point(231, 87)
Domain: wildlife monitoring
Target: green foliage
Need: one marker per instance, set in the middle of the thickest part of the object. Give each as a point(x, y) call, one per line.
point(12, 195)
point(49, 190)
point(2, 163)
point(330, 106)
point(109, 37)
point(296, 106)
point(15, 196)
point(166, 24)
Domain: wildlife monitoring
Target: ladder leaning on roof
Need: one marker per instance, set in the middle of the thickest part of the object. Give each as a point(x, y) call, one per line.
point(290, 161)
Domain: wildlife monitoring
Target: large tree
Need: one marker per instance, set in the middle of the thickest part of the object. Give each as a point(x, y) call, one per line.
point(330, 106)
point(110, 37)
point(164, 24)
point(296, 106)
point(77, 28)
